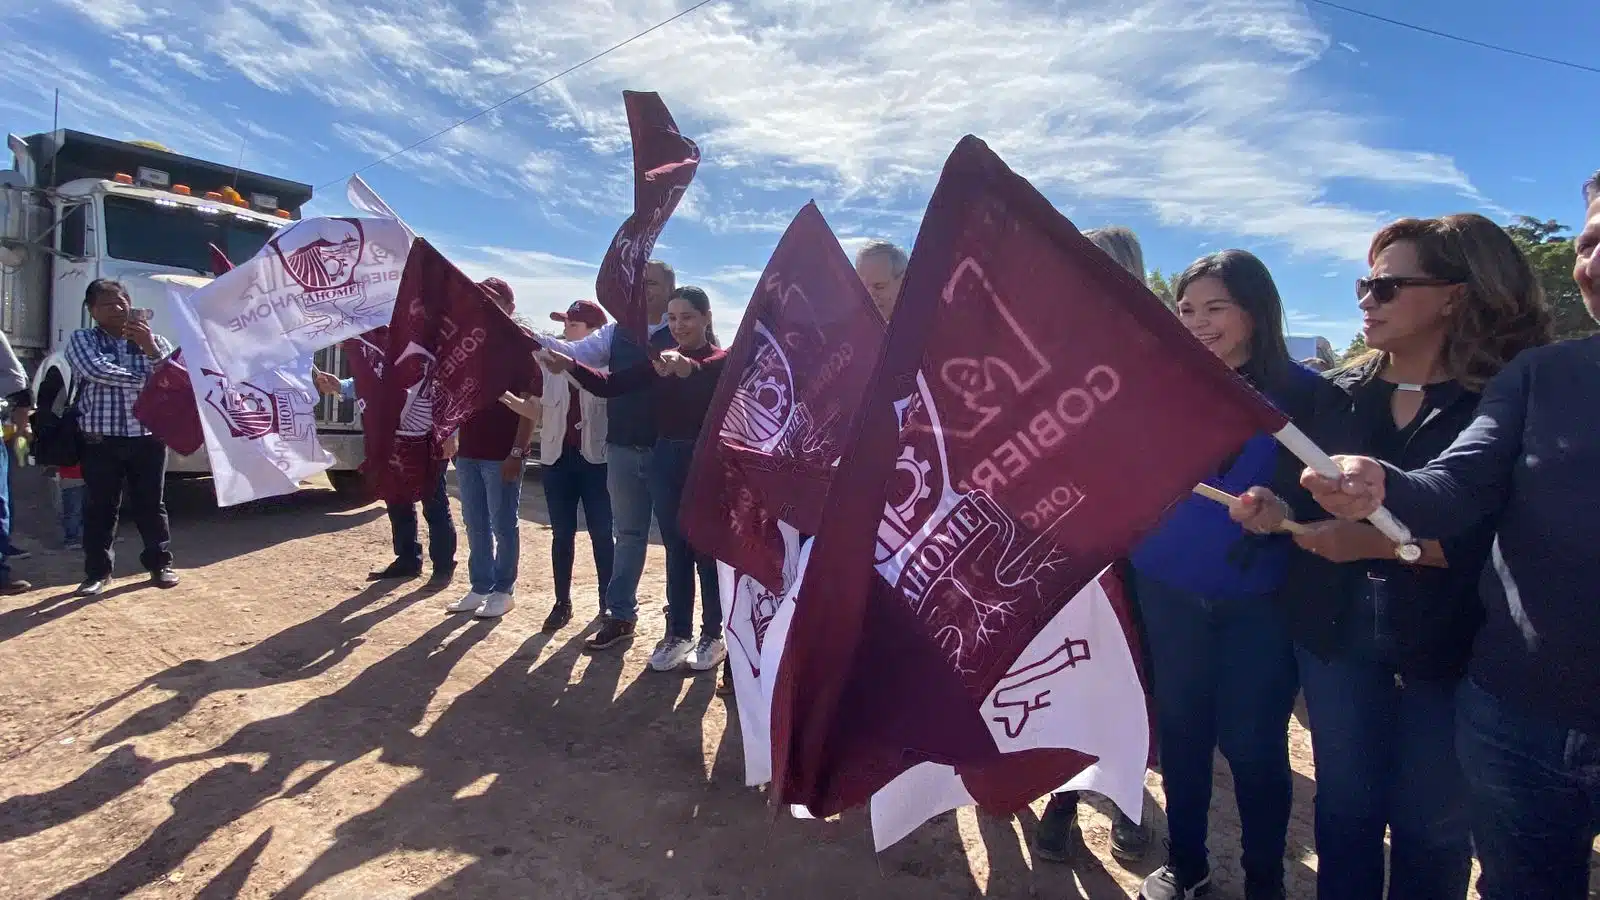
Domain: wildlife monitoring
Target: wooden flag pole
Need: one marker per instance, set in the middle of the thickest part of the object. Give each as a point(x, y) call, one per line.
point(1227, 499)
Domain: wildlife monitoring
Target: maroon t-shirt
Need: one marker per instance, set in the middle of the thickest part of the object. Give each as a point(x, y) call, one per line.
point(490, 432)
point(678, 404)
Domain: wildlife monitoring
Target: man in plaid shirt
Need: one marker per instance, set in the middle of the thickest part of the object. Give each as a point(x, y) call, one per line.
point(110, 363)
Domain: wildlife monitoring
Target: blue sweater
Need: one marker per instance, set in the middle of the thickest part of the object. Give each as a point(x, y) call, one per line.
point(1530, 465)
point(1197, 548)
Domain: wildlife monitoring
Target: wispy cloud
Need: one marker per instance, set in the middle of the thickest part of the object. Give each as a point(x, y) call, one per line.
point(1205, 114)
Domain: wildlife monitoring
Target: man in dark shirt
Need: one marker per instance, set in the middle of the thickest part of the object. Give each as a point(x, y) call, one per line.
point(1528, 715)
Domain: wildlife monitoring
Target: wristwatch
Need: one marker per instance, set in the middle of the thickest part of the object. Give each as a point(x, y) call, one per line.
point(1408, 553)
point(518, 452)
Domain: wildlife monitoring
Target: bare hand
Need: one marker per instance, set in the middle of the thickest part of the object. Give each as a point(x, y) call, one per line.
point(1259, 511)
point(511, 469)
point(522, 406)
point(671, 362)
point(1356, 495)
point(448, 449)
point(138, 331)
point(325, 383)
point(1341, 542)
point(556, 362)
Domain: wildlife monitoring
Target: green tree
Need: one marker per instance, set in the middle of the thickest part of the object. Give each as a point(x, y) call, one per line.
point(1357, 347)
point(1159, 286)
point(1551, 254)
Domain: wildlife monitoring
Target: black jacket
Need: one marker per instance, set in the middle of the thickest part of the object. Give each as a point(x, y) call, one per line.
point(1432, 612)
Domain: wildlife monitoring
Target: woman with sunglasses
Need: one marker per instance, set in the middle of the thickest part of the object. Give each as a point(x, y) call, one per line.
point(1382, 644)
point(1528, 712)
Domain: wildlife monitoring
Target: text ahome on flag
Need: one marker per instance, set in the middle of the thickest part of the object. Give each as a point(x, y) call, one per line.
point(1035, 410)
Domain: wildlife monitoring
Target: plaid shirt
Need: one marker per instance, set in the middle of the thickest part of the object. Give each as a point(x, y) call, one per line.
point(113, 372)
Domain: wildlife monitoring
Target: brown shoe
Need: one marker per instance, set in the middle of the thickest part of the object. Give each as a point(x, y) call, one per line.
point(15, 586)
point(612, 631)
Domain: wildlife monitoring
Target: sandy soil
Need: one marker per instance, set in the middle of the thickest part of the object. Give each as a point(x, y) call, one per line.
point(277, 727)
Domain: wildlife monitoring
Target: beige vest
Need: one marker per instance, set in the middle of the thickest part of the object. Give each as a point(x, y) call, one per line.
point(556, 400)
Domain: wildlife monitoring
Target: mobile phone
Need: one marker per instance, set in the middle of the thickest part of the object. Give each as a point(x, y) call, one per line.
point(141, 314)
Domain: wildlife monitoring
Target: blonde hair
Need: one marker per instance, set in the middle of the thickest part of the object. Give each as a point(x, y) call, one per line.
point(1501, 310)
point(1120, 244)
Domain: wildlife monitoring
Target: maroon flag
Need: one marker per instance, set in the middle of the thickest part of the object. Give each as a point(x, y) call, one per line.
point(795, 377)
point(219, 260)
point(1035, 411)
point(365, 353)
point(166, 406)
point(664, 162)
point(450, 353)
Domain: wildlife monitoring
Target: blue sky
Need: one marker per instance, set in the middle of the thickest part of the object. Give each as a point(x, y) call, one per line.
point(1289, 129)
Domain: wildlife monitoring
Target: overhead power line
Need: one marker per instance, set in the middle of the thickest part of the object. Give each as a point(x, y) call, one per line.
point(1498, 48)
point(518, 95)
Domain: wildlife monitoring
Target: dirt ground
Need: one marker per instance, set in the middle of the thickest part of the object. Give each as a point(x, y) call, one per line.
point(277, 727)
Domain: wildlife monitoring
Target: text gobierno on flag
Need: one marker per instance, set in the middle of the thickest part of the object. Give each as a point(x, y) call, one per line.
point(1034, 411)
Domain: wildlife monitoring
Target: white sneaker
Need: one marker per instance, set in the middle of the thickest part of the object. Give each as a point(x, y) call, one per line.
point(670, 653)
point(708, 654)
point(497, 605)
point(469, 603)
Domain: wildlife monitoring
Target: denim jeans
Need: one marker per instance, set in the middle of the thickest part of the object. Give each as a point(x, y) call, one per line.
point(1223, 673)
point(1385, 756)
point(1534, 795)
point(441, 530)
point(670, 470)
point(71, 498)
point(109, 465)
point(5, 510)
point(489, 514)
point(572, 481)
point(628, 482)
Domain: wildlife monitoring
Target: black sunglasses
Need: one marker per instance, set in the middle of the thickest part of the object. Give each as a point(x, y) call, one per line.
point(1385, 288)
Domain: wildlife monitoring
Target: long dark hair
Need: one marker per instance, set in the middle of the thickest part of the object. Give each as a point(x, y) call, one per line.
point(701, 302)
point(1252, 288)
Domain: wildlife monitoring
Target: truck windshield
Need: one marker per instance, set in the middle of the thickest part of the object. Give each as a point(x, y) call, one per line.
point(138, 230)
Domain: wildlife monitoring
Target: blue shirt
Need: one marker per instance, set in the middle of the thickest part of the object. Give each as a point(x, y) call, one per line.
point(1529, 464)
point(111, 372)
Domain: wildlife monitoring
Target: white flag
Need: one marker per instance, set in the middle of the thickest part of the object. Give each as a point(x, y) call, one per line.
point(261, 431)
point(364, 198)
point(314, 284)
point(1093, 705)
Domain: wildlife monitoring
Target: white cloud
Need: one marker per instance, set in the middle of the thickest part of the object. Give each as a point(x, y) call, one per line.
point(1205, 114)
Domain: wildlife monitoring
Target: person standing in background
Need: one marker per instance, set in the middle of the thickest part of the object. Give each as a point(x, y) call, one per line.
point(113, 359)
point(1059, 824)
point(630, 440)
point(678, 387)
point(16, 403)
point(70, 498)
point(882, 267)
point(572, 456)
point(403, 516)
point(491, 453)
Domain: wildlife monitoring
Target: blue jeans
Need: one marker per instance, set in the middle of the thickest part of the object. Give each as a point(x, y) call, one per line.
point(441, 530)
point(568, 483)
point(628, 482)
point(5, 510)
point(1223, 674)
point(489, 513)
point(670, 471)
point(73, 497)
point(1534, 794)
point(1385, 756)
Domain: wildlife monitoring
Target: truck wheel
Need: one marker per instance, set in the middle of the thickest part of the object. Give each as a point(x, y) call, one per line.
point(349, 485)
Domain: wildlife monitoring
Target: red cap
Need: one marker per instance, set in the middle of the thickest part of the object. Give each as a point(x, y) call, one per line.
point(584, 312)
point(499, 290)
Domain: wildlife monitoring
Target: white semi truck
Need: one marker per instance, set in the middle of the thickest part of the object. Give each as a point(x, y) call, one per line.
point(77, 207)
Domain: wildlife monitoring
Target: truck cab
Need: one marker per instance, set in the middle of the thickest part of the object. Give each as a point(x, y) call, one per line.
point(80, 207)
